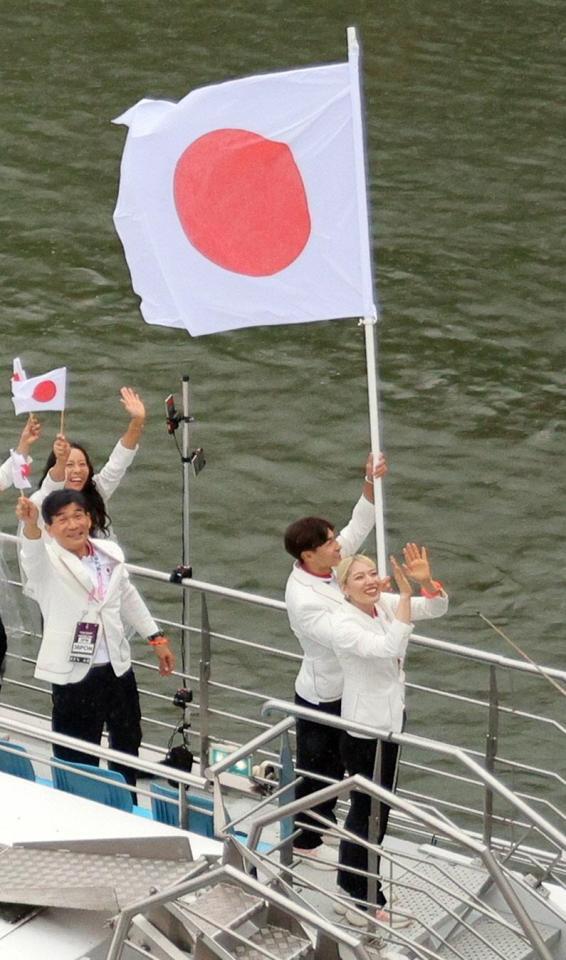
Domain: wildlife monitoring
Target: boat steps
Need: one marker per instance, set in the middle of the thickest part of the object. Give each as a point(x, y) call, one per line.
point(509, 945)
point(436, 893)
point(239, 912)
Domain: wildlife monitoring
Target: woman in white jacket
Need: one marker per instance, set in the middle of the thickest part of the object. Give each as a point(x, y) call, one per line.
point(69, 466)
point(371, 633)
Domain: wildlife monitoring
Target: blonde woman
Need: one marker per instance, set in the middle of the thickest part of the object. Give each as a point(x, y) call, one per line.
point(371, 633)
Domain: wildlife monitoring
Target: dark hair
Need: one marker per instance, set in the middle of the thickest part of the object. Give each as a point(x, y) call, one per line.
point(95, 505)
point(308, 533)
point(60, 499)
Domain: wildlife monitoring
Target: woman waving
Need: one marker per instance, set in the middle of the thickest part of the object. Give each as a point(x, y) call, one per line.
point(371, 633)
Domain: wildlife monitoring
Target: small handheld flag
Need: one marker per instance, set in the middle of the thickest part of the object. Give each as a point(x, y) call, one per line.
point(40, 393)
point(20, 470)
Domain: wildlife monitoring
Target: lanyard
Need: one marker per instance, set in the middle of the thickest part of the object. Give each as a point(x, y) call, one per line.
point(98, 591)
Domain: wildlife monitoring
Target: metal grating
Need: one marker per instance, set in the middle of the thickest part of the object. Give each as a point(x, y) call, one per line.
point(509, 945)
point(279, 942)
point(226, 904)
point(436, 889)
point(59, 878)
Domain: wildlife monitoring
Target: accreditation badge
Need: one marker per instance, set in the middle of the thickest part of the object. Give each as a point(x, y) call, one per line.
point(84, 642)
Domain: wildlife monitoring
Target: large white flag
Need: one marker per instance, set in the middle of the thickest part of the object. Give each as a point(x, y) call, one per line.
point(245, 203)
point(40, 393)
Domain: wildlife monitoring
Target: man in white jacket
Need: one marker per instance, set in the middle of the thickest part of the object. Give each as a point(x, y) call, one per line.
point(84, 592)
point(312, 595)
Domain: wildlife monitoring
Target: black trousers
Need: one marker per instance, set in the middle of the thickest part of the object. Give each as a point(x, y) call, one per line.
point(81, 710)
point(318, 751)
point(359, 757)
point(3, 648)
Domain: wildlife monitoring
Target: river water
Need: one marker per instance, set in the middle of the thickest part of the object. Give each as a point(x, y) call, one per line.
point(465, 125)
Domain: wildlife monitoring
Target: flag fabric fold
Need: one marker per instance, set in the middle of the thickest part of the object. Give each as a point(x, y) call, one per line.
point(18, 372)
point(40, 393)
point(21, 469)
point(244, 204)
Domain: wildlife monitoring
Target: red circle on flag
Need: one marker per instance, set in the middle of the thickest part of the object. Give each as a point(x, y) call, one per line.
point(242, 202)
point(44, 391)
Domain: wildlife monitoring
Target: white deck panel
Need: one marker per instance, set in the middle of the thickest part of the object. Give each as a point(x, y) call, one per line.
point(32, 812)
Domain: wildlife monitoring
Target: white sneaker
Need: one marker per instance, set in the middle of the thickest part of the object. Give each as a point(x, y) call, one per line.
point(316, 855)
point(339, 907)
point(331, 839)
point(393, 918)
point(356, 918)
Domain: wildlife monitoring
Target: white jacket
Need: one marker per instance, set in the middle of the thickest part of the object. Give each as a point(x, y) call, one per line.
point(106, 481)
point(371, 652)
point(310, 602)
point(61, 585)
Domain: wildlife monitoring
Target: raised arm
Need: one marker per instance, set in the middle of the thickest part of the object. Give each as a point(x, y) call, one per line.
point(28, 436)
point(134, 406)
point(433, 601)
point(376, 468)
point(61, 451)
point(362, 521)
point(27, 512)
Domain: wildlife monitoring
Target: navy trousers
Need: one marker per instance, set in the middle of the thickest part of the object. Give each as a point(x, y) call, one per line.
point(318, 751)
point(82, 709)
point(359, 757)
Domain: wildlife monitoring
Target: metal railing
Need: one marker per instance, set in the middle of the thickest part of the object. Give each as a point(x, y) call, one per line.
point(436, 784)
point(263, 816)
point(463, 840)
point(31, 732)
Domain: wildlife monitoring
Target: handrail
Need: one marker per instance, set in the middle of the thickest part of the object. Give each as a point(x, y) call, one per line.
point(366, 786)
point(247, 882)
point(244, 751)
point(103, 753)
point(459, 650)
point(292, 709)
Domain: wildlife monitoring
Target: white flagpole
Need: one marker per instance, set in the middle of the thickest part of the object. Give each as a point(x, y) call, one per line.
point(369, 320)
point(369, 324)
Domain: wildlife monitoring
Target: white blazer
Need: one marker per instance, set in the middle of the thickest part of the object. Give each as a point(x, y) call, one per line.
point(61, 585)
point(310, 602)
point(371, 654)
point(107, 481)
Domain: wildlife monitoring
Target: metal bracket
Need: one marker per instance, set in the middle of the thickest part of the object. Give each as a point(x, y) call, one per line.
point(180, 573)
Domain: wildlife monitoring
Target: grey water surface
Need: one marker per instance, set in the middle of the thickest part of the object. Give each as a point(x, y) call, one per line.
point(465, 125)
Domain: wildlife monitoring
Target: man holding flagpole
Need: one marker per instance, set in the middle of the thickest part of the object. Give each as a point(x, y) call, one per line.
point(312, 595)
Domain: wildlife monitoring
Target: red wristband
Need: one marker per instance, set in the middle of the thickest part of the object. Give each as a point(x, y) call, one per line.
point(430, 596)
point(157, 641)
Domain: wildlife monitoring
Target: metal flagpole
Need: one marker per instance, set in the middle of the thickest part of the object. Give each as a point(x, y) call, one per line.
point(370, 313)
point(186, 460)
point(369, 324)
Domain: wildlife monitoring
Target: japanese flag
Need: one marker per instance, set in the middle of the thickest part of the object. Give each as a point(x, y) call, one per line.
point(245, 203)
point(21, 470)
point(40, 393)
point(18, 372)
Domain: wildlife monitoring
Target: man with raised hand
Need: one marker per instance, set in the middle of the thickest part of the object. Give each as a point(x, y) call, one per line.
point(84, 592)
point(312, 595)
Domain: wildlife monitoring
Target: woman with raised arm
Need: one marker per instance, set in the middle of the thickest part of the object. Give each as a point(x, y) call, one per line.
point(69, 466)
point(371, 633)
